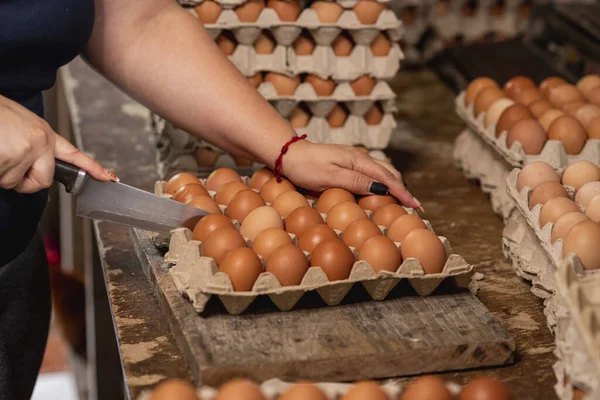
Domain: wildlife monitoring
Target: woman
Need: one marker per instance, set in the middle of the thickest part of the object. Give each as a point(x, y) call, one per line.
point(162, 56)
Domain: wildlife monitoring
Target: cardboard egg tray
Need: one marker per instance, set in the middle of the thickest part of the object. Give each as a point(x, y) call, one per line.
point(479, 161)
point(553, 152)
point(273, 388)
point(285, 33)
point(229, 4)
point(198, 279)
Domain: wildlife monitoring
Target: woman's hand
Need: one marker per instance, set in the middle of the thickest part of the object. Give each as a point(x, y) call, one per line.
point(28, 147)
point(321, 166)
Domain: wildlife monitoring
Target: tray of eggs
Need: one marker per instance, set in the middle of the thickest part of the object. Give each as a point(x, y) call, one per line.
point(266, 238)
point(557, 122)
point(325, 20)
point(423, 388)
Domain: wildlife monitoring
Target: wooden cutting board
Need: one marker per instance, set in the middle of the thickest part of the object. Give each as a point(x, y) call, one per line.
point(403, 335)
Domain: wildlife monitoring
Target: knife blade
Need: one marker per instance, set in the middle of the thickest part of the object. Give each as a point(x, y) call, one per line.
point(124, 204)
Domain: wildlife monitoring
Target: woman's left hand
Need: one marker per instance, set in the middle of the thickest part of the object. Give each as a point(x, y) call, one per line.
point(318, 167)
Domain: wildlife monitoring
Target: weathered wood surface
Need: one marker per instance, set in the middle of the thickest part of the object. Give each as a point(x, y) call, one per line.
point(403, 335)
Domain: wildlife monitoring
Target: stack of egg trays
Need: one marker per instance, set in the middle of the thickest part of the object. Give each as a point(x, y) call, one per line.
point(535, 258)
point(580, 328)
point(198, 279)
point(553, 152)
point(273, 388)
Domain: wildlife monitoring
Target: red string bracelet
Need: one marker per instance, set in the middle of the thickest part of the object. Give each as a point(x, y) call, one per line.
point(284, 149)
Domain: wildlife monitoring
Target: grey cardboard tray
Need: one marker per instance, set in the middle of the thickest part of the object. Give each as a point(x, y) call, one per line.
point(552, 153)
point(198, 279)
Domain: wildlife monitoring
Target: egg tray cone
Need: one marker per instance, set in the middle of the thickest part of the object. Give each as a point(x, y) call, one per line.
point(285, 33)
point(479, 161)
point(198, 279)
point(553, 152)
point(273, 388)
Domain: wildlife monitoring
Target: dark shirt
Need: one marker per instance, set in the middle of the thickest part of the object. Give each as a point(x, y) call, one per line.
point(36, 38)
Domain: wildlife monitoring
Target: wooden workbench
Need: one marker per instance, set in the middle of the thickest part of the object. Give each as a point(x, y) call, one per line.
point(112, 128)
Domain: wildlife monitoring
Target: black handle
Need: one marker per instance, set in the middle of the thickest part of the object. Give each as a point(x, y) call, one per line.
point(68, 174)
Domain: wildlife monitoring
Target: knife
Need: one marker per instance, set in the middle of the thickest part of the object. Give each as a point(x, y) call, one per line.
point(123, 204)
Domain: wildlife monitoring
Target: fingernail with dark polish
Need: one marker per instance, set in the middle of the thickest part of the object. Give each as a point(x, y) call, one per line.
point(378, 188)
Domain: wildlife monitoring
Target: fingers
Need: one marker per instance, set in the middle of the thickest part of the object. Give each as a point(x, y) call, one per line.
point(65, 151)
point(39, 176)
point(390, 168)
point(353, 181)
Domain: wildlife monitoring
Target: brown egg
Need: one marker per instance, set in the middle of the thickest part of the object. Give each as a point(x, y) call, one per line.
point(547, 118)
point(205, 203)
point(549, 83)
point(323, 87)
point(381, 254)
point(302, 218)
point(208, 11)
point(535, 173)
point(178, 181)
point(511, 116)
point(227, 191)
point(242, 162)
point(243, 267)
point(328, 12)
point(578, 394)
point(539, 107)
point(258, 220)
point(239, 389)
point(496, 110)
point(530, 134)
point(337, 117)
point(587, 192)
point(249, 10)
point(427, 387)
point(288, 201)
point(359, 231)
point(374, 115)
point(594, 96)
point(514, 86)
point(188, 191)
point(343, 214)
point(485, 389)
point(332, 197)
point(572, 107)
point(556, 208)
point(562, 94)
point(264, 44)
point(564, 224)
point(304, 45)
point(476, 86)
point(582, 239)
point(226, 43)
point(403, 225)
point(174, 389)
point(299, 118)
point(587, 113)
point(287, 10)
point(284, 86)
point(364, 85)
point(271, 189)
point(367, 11)
point(375, 202)
point(529, 95)
point(269, 240)
point(314, 235)
point(243, 203)
point(255, 80)
point(303, 391)
point(205, 157)
point(426, 247)
point(569, 132)
point(380, 46)
point(588, 83)
point(220, 242)
point(592, 210)
point(210, 223)
point(365, 390)
point(545, 191)
point(579, 173)
point(343, 45)
point(220, 177)
point(387, 214)
point(486, 98)
point(593, 129)
point(334, 258)
point(259, 178)
point(289, 265)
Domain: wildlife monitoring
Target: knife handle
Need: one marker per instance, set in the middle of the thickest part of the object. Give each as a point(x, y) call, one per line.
point(69, 175)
